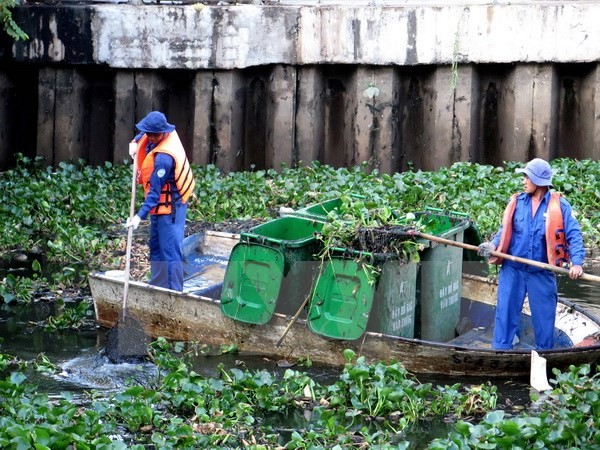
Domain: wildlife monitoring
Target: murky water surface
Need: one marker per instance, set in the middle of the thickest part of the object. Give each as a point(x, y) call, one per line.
point(586, 293)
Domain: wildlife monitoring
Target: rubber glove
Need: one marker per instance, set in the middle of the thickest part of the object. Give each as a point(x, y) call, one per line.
point(285, 211)
point(133, 149)
point(133, 222)
point(485, 249)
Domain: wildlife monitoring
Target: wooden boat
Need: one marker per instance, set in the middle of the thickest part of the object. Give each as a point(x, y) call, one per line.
point(189, 316)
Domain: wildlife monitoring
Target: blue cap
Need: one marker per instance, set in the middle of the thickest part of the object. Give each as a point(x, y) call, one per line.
point(155, 122)
point(538, 171)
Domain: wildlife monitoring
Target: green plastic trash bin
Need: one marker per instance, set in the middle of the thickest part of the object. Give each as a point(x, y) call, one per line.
point(395, 300)
point(252, 282)
point(472, 262)
point(271, 269)
point(342, 298)
point(439, 278)
point(320, 211)
point(348, 297)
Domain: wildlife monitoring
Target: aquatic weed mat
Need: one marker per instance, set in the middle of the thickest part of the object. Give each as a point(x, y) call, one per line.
point(384, 239)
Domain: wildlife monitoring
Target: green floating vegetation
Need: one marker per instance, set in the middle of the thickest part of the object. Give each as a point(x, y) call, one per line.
point(368, 406)
point(72, 213)
point(569, 418)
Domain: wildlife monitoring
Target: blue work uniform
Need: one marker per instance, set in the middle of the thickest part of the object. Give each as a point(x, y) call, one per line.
point(166, 230)
point(516, 280)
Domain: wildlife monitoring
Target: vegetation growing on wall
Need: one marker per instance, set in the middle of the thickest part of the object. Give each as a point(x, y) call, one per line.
point(10, 26)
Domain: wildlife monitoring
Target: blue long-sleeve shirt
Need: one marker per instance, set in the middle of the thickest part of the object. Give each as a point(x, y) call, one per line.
point(164, 170)
point(529, 233)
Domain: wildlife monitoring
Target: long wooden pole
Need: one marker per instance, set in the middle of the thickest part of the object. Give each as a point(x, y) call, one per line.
point(278, 344)
point(129, 242)
point(530, 262)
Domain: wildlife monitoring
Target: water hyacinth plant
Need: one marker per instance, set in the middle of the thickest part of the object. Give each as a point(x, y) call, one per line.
point(368, 406)
point(73, 212)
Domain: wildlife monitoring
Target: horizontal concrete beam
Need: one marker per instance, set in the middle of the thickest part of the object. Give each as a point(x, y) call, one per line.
point(228, 37)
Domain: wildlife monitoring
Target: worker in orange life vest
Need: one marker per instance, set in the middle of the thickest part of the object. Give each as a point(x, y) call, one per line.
point(537, 225)
point(166, 176)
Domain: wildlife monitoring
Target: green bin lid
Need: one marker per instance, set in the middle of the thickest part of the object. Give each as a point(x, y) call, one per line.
point(320, 211)
point(341, 300)
point(287, 232)
point(252, 283)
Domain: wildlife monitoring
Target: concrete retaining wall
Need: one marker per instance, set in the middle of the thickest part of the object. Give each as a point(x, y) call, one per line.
point(260, 86)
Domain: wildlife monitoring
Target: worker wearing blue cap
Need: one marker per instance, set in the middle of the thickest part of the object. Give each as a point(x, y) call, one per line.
point(166, 176)
point(537, 225)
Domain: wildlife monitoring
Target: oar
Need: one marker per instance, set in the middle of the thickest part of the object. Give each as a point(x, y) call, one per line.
point(127, 340)
point(530, 262)
point(288, 328)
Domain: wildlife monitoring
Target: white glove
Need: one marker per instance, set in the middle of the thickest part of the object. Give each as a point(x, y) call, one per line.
point(485, 249)
point(133, 222)
point(133, 147)
point(284, 211)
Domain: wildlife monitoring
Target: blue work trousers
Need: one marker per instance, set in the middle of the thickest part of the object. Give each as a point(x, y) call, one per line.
point(513, 285)
point(166, 257)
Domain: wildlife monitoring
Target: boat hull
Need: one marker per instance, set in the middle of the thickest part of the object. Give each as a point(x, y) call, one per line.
point(190, 317)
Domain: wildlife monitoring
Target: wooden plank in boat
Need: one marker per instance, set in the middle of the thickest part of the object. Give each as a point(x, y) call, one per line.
point(219, 243)
point(477, 288)
point(213, 274)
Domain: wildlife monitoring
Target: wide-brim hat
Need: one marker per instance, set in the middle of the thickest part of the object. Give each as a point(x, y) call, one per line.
point(155, 122)
point(538, 171)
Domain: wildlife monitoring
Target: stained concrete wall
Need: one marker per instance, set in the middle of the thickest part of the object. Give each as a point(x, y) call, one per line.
point(233, 37)
point(261, 86)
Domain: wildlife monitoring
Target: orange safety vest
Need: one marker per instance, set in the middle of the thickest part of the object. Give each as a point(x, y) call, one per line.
point(184, 178)
point(556, 243)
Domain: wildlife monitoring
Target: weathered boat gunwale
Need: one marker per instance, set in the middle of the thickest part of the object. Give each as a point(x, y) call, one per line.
point(199, 319)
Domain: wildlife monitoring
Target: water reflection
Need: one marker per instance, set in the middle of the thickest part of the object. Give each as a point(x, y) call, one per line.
point(584, 293)
point(22, 329)
point(78, 355)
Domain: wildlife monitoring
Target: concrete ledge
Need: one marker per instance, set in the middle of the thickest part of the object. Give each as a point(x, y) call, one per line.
point(229, 37)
